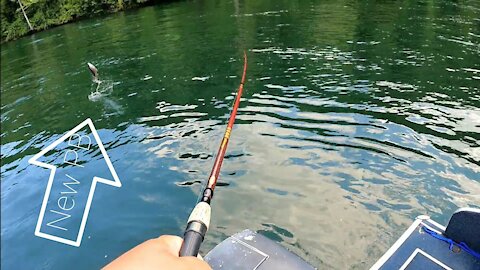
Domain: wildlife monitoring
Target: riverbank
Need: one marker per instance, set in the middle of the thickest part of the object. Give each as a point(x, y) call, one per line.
point(20, 18)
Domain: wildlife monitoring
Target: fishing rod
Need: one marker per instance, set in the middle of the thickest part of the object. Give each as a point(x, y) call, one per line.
point(199, 220)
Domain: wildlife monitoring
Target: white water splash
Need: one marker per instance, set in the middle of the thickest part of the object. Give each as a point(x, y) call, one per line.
point(102, 89)
point(201, 78)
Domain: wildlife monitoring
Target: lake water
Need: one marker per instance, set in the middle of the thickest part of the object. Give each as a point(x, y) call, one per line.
point(356, 117)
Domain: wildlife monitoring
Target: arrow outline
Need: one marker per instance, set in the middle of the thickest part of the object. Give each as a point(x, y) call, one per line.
point(116, 183)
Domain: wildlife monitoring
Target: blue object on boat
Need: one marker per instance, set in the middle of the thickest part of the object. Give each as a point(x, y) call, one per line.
point(452, 244)
point(464, 227)
point(426, 245)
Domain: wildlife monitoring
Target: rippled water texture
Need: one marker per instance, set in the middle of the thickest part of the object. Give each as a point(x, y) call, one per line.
point(357, 117)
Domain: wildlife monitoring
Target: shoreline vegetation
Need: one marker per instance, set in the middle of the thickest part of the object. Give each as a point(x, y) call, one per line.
point(23, 17)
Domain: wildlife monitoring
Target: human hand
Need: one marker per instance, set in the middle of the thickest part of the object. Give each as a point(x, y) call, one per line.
point(155, 254)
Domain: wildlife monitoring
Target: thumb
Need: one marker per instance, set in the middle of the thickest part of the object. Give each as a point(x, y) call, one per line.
point(170, 243)
point(173, 244)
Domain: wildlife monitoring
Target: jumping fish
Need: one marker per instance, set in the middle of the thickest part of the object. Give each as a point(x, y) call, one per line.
point(94, 72)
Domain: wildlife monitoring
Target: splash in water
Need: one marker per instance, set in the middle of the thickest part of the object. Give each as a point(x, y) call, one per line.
point(102, 89)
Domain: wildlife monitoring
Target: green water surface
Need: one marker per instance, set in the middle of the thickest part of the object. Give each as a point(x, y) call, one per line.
point(357, 116)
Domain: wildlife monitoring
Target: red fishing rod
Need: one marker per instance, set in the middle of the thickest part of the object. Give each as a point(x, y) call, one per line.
point(199, 219)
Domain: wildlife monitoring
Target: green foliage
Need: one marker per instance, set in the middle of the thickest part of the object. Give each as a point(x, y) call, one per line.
point(46, 13)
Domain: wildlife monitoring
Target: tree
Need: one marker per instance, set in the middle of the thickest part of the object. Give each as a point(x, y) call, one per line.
point(25, 15)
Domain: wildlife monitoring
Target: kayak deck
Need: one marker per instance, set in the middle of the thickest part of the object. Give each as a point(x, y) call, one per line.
point(425, 246)
point(248, 250)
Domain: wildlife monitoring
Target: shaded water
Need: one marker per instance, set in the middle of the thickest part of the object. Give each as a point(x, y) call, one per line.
point(357, 117)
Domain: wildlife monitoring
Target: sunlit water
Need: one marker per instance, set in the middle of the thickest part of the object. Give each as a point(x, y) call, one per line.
point(357, 117)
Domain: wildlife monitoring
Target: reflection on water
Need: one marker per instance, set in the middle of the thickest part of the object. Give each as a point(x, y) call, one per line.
point(356, 118)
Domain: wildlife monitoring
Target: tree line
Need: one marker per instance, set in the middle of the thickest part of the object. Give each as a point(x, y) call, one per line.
point(20, 17)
